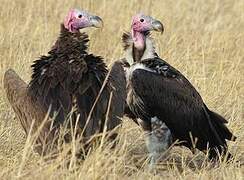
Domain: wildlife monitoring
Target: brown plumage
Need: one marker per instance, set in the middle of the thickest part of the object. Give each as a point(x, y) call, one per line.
point(28, 112)
point(67, 80)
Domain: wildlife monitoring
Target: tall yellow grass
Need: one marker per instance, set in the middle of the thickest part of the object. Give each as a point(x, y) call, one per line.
point(204, 39)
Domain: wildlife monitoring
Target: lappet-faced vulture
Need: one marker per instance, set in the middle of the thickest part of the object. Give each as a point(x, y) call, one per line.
point(70, 86)
point(164, 102)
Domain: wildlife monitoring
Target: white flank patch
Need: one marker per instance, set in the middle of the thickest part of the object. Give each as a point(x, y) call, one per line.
point(161, 133)
point(155, 147)
point(156, 143)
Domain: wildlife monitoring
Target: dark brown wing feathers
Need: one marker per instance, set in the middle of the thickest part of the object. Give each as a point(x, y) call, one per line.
point(29, 113)
point(117, 81)
point(167, 94)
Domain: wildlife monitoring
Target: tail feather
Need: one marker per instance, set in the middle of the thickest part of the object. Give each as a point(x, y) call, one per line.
point(219, 124)
point(221, 133)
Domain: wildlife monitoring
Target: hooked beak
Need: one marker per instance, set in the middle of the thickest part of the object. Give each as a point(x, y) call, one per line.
point(157, 26)
point(96, 22)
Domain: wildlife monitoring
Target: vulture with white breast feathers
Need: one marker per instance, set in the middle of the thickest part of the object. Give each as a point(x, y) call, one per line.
point(164, 102)
point(70, 85)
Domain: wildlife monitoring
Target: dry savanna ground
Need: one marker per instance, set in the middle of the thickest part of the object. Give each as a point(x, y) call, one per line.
point(204, 39)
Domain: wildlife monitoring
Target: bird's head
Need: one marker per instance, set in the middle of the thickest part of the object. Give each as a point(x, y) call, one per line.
point(140, 28)
point(142, 24)
point(78, 19)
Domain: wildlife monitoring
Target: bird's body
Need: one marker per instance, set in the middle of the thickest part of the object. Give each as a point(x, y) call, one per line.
point(72, 86)
point(68, 77)
point(157, 92)
point(163, 92)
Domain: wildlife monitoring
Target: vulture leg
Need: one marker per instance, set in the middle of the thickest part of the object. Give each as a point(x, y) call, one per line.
point(158, 140)
point(28, 112)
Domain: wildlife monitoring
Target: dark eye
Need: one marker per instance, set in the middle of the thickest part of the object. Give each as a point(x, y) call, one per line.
point(142, 20)
point(80, 16)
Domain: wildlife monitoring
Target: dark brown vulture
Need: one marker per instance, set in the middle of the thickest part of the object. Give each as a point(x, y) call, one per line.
point(70, 85)
point(165, 103)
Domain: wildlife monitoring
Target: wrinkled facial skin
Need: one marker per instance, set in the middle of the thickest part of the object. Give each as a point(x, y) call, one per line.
point(77, 19)
point(142, 23)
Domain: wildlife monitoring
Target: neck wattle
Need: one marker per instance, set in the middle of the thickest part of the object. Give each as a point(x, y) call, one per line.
point(139, 45)
point(139, 40)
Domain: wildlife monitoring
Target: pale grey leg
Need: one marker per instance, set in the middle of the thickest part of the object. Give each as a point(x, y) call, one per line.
point(158, 140)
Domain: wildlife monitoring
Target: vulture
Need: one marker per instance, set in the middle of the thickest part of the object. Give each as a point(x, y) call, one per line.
point(70, 88)
point(164, 102)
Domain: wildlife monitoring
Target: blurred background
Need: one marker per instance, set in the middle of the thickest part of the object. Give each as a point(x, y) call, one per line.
point(204, 39)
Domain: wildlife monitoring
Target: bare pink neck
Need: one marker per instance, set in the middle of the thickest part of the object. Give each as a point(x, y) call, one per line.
point(138, 39)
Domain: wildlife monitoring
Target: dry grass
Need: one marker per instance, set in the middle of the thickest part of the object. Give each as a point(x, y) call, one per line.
point(204, 39)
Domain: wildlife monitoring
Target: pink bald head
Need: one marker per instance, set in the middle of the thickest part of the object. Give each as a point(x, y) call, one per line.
point(142, 23)
point(77, 19)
